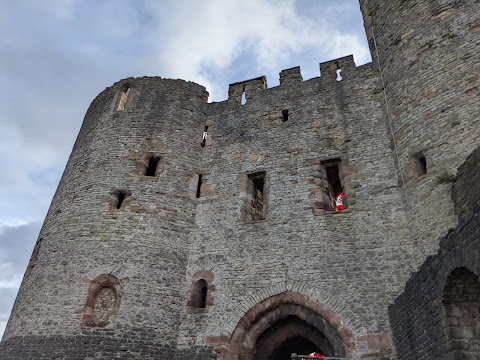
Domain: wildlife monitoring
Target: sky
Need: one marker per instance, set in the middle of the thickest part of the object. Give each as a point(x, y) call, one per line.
point(57, 55)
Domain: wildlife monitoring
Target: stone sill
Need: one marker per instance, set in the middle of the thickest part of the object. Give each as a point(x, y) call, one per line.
point(198, 311)
point(249, 222)
point(322, 212)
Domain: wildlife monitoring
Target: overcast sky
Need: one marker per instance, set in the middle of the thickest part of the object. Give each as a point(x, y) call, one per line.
point(57, 55)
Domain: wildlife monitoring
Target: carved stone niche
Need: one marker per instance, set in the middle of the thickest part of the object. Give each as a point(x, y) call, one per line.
point(103, 300)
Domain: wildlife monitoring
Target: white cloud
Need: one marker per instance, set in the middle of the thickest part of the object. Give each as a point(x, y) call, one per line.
point(213, 33)
point(11, 222)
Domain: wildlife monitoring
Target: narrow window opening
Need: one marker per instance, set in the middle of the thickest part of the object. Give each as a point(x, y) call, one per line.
point(199, 294)
point(151, 169)
point(199, 185)
point(244, 96)
point(204, 136)
point(257, 194)
point(338, 71)
point(334, 179)
point(203, 302)
point(422, 165)
point(123, 98)
point(120, 198)
point(339, 75)
point(334, 190)
point(285, 115)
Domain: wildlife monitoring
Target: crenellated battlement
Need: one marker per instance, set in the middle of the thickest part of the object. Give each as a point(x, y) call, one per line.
point(332, 71)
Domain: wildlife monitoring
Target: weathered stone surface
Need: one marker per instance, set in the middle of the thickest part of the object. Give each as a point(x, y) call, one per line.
point(437, 315)
point(345, 268)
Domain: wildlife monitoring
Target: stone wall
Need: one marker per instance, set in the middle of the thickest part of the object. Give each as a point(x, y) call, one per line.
point(428, 55)
point(144, 243)
point(339, 268)
point(437, 315)
point(344, 260)
point(466, 192)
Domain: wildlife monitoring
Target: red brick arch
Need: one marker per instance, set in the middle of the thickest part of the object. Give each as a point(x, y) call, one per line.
point(241, 345)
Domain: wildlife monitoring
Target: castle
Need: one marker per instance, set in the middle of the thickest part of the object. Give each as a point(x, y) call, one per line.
point(183, 229)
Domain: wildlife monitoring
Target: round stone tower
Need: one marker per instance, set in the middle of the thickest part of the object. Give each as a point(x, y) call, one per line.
point(112, 235)
point(427, 52)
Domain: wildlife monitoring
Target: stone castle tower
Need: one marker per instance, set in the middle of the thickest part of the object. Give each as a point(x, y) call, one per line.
point(183, 229)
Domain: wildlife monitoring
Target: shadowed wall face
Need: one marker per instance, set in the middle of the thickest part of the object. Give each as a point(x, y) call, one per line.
point(428, 51)
point(438, 315)
point(461, 314)
point(288, 336)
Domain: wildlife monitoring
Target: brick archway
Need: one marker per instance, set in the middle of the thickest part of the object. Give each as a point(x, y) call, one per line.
point(287, 305)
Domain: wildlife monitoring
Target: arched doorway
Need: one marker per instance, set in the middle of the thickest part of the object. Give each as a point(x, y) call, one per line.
point(288, 323)
point(291, 335)
point(461, 314)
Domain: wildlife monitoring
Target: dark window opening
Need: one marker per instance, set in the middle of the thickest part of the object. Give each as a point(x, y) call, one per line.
point(120, 198)
point(333, 178)
point(244, 96)
point(334, 190)
point(199, 294)
point(422, 165)
point(203, 302)
point(285, 115)
point(256, 191)
point(204, 136)
point(151, 169)
point(199, 185)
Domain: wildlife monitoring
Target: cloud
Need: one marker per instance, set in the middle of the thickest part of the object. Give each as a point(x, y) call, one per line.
point(267, 34)
point(16, 244)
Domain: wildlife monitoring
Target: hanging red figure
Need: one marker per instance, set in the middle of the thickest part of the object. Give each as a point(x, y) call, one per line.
point(339, 202)
point(316, 354)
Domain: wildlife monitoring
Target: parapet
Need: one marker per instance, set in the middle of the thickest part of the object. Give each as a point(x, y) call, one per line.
point(247, 87)
point(331, 71)
point(291, 75)
point(338, 69)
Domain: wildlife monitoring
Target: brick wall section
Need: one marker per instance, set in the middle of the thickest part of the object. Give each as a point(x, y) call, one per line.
point(428, 51)
point(416, 316)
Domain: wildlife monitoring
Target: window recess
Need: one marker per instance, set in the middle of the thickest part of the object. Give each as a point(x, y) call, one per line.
point(254, 196)
point(123, 97)
point(329, 176)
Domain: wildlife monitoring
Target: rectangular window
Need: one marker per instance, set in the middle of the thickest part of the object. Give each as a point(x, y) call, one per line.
point(151, 169)
point(199, 186)
point(256, 195)
point(120, 198)
point(207, 134)
point(332, 197)
point(123, 98)
point(421, 165)
point(254, 188)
